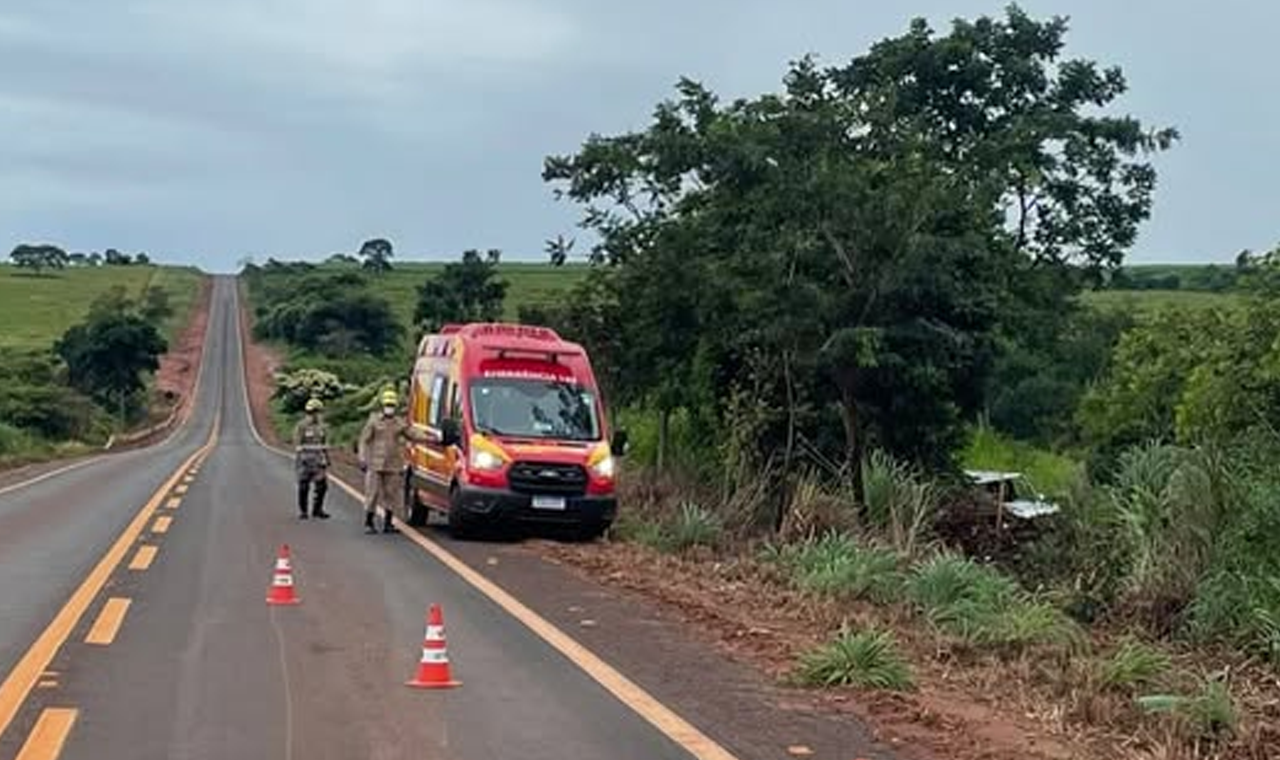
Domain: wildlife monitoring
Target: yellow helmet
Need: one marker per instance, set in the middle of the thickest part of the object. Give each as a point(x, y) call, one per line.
point(314, 405)
point(389, 398)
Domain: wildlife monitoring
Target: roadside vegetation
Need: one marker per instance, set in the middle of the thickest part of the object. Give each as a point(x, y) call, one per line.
point(81, 341)
point(815, 309)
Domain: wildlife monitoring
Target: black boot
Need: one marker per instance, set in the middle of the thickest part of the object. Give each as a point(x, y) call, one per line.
point(368, 523)
point(317, 506)
point(387, 525)
point(303, 487)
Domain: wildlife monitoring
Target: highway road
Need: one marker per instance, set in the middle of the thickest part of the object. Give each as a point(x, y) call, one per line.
point(133, 621)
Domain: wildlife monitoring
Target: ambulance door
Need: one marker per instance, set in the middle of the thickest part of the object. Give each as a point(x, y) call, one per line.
point(439, 463)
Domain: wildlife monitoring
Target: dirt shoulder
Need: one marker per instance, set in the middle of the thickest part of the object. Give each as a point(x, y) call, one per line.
point(261, 364)
point(180, 367)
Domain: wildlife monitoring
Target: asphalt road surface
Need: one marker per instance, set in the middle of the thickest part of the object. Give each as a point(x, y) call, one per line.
point(111, 650)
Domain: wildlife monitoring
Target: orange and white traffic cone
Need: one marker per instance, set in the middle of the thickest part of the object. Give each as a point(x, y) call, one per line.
point(281, 591)
point(433, 669)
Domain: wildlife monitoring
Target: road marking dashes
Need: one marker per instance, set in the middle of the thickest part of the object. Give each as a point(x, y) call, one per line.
point(162, 524)
point(109, 621)
point(174, 503)
point(181, 489)
point(49, 735)
point(145, 555)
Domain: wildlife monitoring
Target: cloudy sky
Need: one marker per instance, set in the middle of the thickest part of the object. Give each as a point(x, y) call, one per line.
point(205, 131)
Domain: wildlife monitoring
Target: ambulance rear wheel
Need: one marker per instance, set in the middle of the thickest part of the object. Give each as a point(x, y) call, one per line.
point(592, 530)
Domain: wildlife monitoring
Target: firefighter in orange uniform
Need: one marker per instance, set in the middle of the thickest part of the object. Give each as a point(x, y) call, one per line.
point(381, 460)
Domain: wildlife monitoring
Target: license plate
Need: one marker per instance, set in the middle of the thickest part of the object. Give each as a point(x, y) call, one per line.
point(548, 502)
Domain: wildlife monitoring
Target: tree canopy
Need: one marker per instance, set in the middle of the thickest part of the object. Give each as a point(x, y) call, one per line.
point(860, 242)
point(39, 257)
point(469, 290)
point(335, 314)
point(107, 354)
point(377, 254)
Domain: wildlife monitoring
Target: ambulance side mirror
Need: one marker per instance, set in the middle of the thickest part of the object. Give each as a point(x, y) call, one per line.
point(450, 433)
point(620, 443)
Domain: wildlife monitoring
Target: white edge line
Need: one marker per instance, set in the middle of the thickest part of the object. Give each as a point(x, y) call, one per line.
point(667, 721)
point(52, 474)
point(204, 355)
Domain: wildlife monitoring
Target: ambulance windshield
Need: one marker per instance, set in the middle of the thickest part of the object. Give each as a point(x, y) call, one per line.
point(534, 408)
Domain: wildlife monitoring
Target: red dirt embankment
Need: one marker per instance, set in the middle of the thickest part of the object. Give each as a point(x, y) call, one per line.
point(180, 367)
point(261, 365)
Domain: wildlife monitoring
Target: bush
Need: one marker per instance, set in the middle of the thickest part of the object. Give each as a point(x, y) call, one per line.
point(867, 659)
point(14, 441)
point(294, 389)
point(1210, 713)
point(836, 565)
point(1133, 665)
point(982, 607)
point(694, 526)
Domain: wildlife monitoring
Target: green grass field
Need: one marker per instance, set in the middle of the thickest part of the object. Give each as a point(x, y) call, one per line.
point(527, 285)
point(1143, 301)
point(36, 310)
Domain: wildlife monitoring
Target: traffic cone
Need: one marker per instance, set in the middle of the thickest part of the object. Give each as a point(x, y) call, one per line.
point(433, 669)
point(281, 591)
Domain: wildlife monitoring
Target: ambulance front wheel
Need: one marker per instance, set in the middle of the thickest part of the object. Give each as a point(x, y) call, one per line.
point(461, 525)
point(415, 510)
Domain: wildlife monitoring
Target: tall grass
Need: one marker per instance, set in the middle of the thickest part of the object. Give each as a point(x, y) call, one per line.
point(899, 500)
point(1169, 503)
point(836, 565)
point(1053, 474)
point(983, 607)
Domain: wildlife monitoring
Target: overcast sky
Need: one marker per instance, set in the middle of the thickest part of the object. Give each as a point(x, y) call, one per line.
point(205, 131)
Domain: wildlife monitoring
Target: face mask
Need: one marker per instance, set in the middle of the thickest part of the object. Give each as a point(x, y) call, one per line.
point(388, 411)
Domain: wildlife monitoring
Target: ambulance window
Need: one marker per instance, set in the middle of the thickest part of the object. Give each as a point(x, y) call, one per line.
point(418, 403)
point(455, 403)
point(437, 399)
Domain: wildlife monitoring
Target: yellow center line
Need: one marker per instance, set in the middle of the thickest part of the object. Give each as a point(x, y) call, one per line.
point(143, 558)
point(22, 679)
point(109, 621)
point(49, 735)
point(162, 524)
point(174, 503)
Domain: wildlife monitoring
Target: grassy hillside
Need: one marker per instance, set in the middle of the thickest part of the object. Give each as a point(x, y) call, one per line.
point(36, 310)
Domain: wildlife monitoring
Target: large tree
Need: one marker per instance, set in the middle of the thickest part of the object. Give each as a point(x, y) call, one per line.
point(377, 254)
point(107, 354)
point(860, 240)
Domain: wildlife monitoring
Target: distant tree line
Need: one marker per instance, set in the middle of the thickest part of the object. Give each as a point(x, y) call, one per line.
point(42, 256)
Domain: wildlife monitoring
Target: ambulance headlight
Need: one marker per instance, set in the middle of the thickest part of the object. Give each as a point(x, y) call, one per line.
point(605, 468)
point(485, 460)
